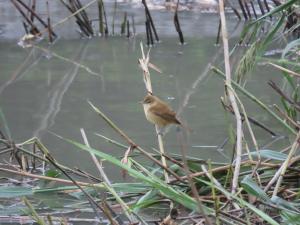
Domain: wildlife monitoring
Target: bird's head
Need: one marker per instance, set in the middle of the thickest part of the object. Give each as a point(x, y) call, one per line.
point(149, 99)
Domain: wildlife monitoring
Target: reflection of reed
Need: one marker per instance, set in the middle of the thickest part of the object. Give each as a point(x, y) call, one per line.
point(195, 84)
point(21, 70)
point(53, 104)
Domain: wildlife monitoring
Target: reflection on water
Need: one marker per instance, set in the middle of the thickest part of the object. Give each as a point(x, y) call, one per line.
point(41, 93)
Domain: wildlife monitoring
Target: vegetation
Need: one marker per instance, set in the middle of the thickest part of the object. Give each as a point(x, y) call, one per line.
point(259, 186)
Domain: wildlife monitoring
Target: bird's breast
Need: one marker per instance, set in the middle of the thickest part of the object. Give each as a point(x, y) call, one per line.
point(153, 117)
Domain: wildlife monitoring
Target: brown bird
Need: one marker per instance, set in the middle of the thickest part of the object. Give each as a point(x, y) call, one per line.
point(159, 112)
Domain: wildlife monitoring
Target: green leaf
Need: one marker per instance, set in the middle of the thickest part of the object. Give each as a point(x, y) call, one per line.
point(252, 188)
point(270, 154)
point(290, 218)
point(150, 198)
point(290, 46)
point(253, 208)
point(280, 8)
point(12, 192)
point(256, 100)
point(52, 173)
point(153, 181)
point(285, 204)
point(271, 34)
point(5, 124)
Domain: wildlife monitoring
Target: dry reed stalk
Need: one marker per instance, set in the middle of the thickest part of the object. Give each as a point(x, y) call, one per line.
point(36, 16)
point(287, 117)
point(247, 123)
point(107, 182)
point(281, 171)
point(231, 99)
point(261, 7)
point(177, 24)
point(97, 163)
point(241, 3)
point(28, 20)
point(49, 23)
point(253, 9)
point(64, 181)
point(131, 143)
point(248, 10)
point(144, 61)
point(74, 13)
point(149, 18)
point(194, 190)
point(33, 6)
point(292, 73)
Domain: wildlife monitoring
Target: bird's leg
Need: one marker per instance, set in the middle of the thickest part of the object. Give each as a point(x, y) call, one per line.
point(160, 131)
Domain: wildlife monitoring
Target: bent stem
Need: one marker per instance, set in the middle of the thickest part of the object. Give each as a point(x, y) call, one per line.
point(144, 61)
point(232, 100)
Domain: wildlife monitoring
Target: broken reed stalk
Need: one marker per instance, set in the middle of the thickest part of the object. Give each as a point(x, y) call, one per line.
point(177, 24)
point(252, 120)
point(106, 181)
point(35, 15)
point(284, 96)
point(105, 18)
point(194, 190)
point(100, 14)
point(128, 29)
point(147, 32)
point(78, 20)
point(97, 163)
point(81, 18)
point(243, 9)
point(92, 202)
point(256, 100)
point(144, 61)
point(267, 5)
point(239, 132)
point(247, 10)
point(290, 72)
point(114, 17)
point(131, 143)
point(33, 7)
point(150, 33)
point(149, 17)
point(28, 20)
point(84, 16)
point(123, 25)
point(218, 34)
point(261, 7)
point(133, 25)
point(49, 23)
point(236, 12)
point(253, 9)
point(281, 171)
point(73, 13)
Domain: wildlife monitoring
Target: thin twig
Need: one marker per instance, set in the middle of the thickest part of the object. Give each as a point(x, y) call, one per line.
point(131, 142)
point(147, 80)
point(107, 182)
point(232, 99)
point(280, 173)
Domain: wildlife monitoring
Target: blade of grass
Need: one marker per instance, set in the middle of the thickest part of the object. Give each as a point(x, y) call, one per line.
point(253, 98)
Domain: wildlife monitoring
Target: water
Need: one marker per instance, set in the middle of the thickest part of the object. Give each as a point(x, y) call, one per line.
point(49, 94)
point(41, 94)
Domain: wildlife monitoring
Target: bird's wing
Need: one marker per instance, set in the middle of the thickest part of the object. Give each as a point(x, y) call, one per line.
point(166, 114)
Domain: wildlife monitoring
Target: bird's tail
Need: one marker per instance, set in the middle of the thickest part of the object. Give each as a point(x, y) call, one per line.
point(184, 126)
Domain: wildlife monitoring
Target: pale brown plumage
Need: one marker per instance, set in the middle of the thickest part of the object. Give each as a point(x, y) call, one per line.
point(159, 112)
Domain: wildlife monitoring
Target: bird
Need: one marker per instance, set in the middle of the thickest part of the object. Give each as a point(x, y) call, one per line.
point(159, 112)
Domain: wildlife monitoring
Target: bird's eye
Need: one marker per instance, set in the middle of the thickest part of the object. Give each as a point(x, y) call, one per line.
point(147, 100)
